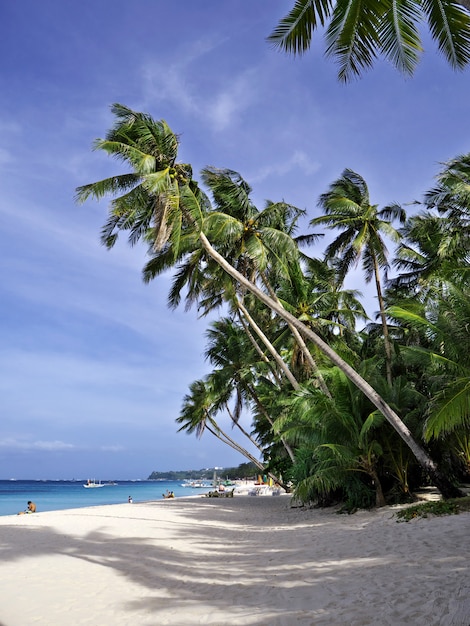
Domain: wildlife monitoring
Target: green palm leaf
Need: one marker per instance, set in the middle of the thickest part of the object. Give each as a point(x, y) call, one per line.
point(294, 32)
point(399, 36)
point(450, 27)
point(350, 38)
point(452, 412)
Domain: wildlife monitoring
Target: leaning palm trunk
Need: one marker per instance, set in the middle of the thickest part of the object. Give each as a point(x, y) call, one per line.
point(387, 346)
point(444, 485)
point(262, 410)
point(242, 430)
point(276, 356)
point(258, 349)
point(303, 346)
point(222, 436)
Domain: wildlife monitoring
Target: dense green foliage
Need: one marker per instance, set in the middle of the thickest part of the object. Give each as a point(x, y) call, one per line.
point(361, 417)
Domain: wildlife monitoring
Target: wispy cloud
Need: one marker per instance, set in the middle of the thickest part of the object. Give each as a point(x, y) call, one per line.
point(218, 101)
point(15, 444)
point(299, 161)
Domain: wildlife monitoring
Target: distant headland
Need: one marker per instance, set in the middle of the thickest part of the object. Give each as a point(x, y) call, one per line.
point(245, 470)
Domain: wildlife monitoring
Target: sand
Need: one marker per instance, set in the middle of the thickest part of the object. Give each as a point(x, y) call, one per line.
point(241, 561)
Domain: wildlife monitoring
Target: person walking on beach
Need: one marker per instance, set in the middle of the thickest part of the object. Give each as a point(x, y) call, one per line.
point(30, 509)
point(129, 499)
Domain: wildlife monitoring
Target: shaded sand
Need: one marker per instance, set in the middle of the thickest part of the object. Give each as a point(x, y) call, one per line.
point(241, 561)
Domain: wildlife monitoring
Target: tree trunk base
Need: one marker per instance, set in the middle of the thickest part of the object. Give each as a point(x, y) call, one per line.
point(445, 486)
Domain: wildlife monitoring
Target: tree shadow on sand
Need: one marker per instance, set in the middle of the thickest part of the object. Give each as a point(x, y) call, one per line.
point(219, 555)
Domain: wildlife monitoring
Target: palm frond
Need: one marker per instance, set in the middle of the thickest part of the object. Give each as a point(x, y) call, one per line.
point(294, 32)
point(352, 36)
point(102, 188)
point(450, 27)
point(452, 410)
point(399, 36)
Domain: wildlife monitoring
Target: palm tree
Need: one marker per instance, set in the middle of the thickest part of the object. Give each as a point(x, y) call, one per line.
point(229, 350)
point(347, 207)
point(197, 416)
point(358, 31)
point(262, 245)
point(343, 440)
point(161, 204)
point(317, 299)
point(451, 198)
point(446, 362)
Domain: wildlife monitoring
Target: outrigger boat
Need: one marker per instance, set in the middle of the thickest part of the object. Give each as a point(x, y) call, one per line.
point(92, 484)
point(196, 485)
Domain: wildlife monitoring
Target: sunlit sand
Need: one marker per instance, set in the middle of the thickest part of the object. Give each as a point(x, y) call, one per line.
point(232, 561)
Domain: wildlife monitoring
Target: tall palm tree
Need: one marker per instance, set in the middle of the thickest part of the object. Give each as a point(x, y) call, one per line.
point(347, 207)
point(229, 350)
point(317, 299)
point(197, 415)
point(451, 198)
point(264, 247)
point(358, 31)
point(161, 202)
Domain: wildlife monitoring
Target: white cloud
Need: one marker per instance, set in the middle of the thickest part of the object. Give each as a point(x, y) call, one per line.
point(222, 110)
point(15, 444)
point(112, 448)
point(219, 102)
point(170, 80)
point(298, 161)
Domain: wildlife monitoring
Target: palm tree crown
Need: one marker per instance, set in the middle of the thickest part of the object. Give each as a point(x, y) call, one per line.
point(347, 208)
point(358, 31)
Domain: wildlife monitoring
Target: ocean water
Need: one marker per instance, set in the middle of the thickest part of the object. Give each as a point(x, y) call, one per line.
point(56, 495)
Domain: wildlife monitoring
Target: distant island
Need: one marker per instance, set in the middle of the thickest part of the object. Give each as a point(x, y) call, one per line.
point(245, 470)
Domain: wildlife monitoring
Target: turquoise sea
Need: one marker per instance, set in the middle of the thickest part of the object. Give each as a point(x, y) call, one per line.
point(56, 495)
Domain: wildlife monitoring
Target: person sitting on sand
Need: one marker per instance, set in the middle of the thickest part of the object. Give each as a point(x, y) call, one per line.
point(31, 508)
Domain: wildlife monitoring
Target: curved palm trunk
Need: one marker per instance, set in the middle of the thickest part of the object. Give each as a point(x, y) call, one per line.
point(447, 489)
point(276, 356)
point(262, 410)
point(387, 345)
point(254, 343)
point(240, 427)
point(222, 436)
point(303, 346)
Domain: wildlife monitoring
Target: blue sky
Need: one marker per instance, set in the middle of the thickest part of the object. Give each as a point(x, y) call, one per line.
point(93, 365)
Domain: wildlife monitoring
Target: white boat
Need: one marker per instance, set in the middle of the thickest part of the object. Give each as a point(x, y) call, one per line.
point(196, 485)
point(92, 484)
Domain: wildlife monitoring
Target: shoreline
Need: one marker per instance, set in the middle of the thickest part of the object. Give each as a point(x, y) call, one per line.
point(232, 561)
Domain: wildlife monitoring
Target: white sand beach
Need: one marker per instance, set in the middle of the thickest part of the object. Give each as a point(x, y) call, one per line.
point(232, 561)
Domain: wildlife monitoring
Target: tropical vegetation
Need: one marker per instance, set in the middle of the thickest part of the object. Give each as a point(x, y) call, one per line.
point(436, 508)
point(357, 32)
point(340, 411)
